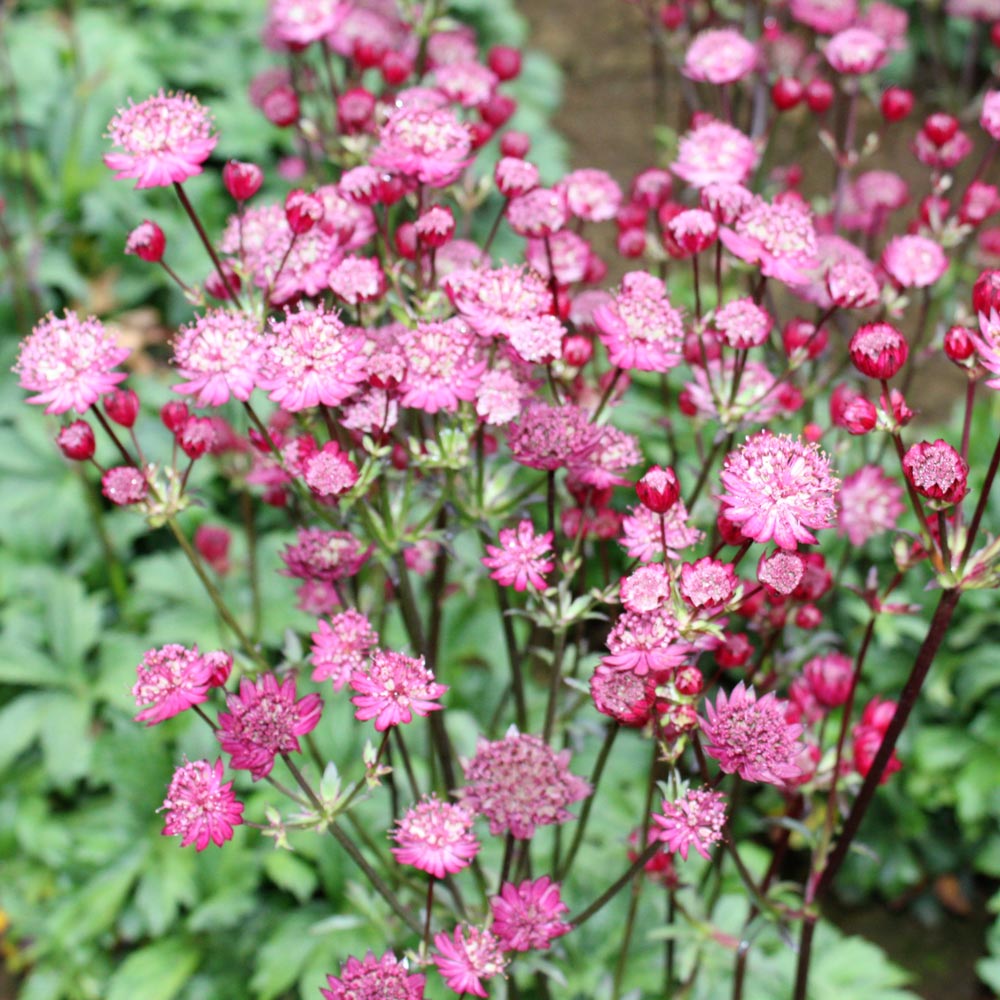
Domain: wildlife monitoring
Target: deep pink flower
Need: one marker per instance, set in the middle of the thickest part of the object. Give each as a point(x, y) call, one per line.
point(778, 488)
point(340, 646)
point(435, 837)
point(591, 195)
point(741, 323)
point(780, 572)
point(265, 720)
point(645, 589)
point(515, 176)
point(199, 807)
point(528, 917)
point(489, 300)
point(69, 362)
point(779, 237)
point(937, 471)
point(124, 485)
point(693, 230)
point(220, 356)
point(385, 978)
point(751, 736)
point(566, 255)
point(643, 539)
point(623, 695)
point(165, 139)
point(646, 643)
point(537, 339)
point(550, 437)
point(878, 350)
point(520, 560)
point(870, 504)
point(914, 261)
point(323, 555)
point(989, 117)
point(639, 327)
point(468, 957)
point(427, 145)
point(538, 213)
point(170, 680)
point(693, 820)
point(719, 56)
point(392, 688)
point(468, 83)
point(829, 678)
point(444, 361)
point(714, 153)
point(519, 783)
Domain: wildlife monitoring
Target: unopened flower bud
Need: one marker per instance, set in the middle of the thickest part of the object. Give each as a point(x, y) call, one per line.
point(937, 471)
point(819, 94)
point(497, 110)
point(212, 543)
point(356, 111)
point(396, 67)
point(196, 436)
point(689, 681)
point(896, 104)
point(958, 344)
point(146, 242)
point(435, 227)
point(122, 406)
point(217, 288)
point(786, 93)
point(302, 211)
point(860, 416)
point(658, 490)
point(505, 61)
point(76, 441)
point(734, 651)
point(281, 106)
point(986, 292)
point(878, 350)
point(174, 415)
point(242, 180)
point(220, 664)
point(577, 350)
point(516, 144)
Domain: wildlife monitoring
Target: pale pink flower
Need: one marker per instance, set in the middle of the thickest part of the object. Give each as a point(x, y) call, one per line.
point(488, 300)
point(565, 254)
point(519, 783)
point(710, 391)
point(528, 917)
point(311, 359)
point(714, 153)
point(640, 328)
point(825, 16)
point(299, 23)
point(855, 51)
point(642, 538)
point(708, 583)
point(695, 819)
point(392, 688)
point(435, 837)
point(429, 146)
point(780, 572)
point(124, 485)
point(330, 472)
point(385, 978)
point(750, 737)
point(500, 396)
point(645, 589)
point(914, 261)
point(515, 176)
point(778, 487)
point(444, 361)
point(521, 559)
point(779, 237)
point(889, 22)
point(341, 646)
point(726, 200)
point(742, 323)
point(537, 339)
point(549, 437)
point(201, 808)
point(265, 720)
point(357, 279)
point(468, 82)
point(169, 681)
point(381, 26)
point(219, 354)
point(646, 643)
point(69, 362)
point(372, 411)
point(538, 213)
point(591, 195)
point(467, 957)
point(870, 503)
point(165, 139)
point(718, 56)
point(850, 285)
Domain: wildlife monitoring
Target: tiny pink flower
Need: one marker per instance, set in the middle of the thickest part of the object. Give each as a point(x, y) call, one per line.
point(393, 688)
point(642, 536)
point(870, 504)
point(170, 680)
point(385, 978)
point(623, 695)
point(645, 589)
point(199, 807)
point(528, 917)
point(591, 195)
point(124, 485)
point(340, 646)
point(780, 572)
point(220, 356)
point(444, 363)
point(715, 153)
point(646, 643)
point(742, 324)
point(467, 957)
point(829, 678)
point(708, 583)
point(914, 261)
point(435, 837)
point(520, 560)
point(330, 471)
point(855, 51)
point(937, 471)
point(693, 820)
point(719, 56)
point(550, 437)
point(427, 145)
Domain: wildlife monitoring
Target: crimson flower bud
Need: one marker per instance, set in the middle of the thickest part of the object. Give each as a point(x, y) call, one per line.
point(829, 678)
point(878, 350)
point(76, 441)
point(216, 287)
point(577, 350)
point(219, 663)
point(212, 543)
point(435, 227)
point(800, 334)
point(896, 104)
point(672, 16)
point(878, 714)
point(632, 243)
point(632, 215)
point(124, 484)
point(693, 230)
point(367, 53)
point(405, 240)
point(940, 127)
point(196, 436)
point(729, 532)
point(860, 416)
point(396, 67)
point(497, 110)
point(391, 188)
point(242, 180)
point(505, 61)
point(841, 397)
point(146, 242)
point(786, 93)
point(808, 616)
point(995, 34)
point(658, 490)
point(481, 133)
point(937, 471)
point(173, 415)
point(703, 348)
point(734, 651)
point(819, 94)
point(958, 344)
point(980, 201)
point(281, 106)
point(302, 211)
point(516, 144)
point(355, 110)
point(689, 681)
point(986, 292)
point(122, 406)
point(686, 403)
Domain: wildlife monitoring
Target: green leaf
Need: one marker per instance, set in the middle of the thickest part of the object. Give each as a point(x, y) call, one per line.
point(166, 885)
point(20, 723)
point(291, 873)
point(156, 972)
point(66, 739)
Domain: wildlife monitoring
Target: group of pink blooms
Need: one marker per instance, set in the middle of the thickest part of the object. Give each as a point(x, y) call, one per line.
point(380, 332)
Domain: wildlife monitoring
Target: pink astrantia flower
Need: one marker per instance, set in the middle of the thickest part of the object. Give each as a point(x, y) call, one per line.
point(521, 559)
point(719, 56)
point(528, 917)
point(778, 488)
point(519, 783)
point(427, 145)
point(468, 83)
point(263, 720)
point(780, 572)
point(710, 392)
point(393, 688)
point(647, 643)
point(742, 323)
point(989, 117)
point(219, 355)
point(311, 358)
point(501, 396)
point(330, 471)
point(645, 589)
point(201, 808)
point(914, 261)
point(825, 16)
point(750, 736)
point(165, 139)
point(564, 255)
point(623, 695)
point(640, 328)
point(693, 820)
point(870, 504)
point(550, 437)
point(606, 463)
point(385, 978)
point(779, 237)
point(467, 957)
point(444, 362)
point(124, 485)
point(537, 339)
point(299, 23)
point(988, 345)
point(708, 583)
point(643, 539)
point(829, 678)
point(538, 213)
point(937, 471)
point(714, 153)
point(69, 362)
point(323, 555)
point(435, 837)
point(357, 279)
point(855, 51)
point(340, 646)
point(170, 680)
point(489, 300)
point(591, 195)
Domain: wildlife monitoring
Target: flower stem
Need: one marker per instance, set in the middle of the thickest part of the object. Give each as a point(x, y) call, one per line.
point(196, 222)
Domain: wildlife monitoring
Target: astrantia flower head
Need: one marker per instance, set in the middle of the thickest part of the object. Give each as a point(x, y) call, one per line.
point(200, 807)
point(825, 16)
point(219, 355)
point(488, 300)
point(750, 737)
point(393, 688)
point(623, 695)
point(742, 323)
point(538, 213)
point(341, 646)
point(714, 153)
point(640, 328)
point(645, 589)
point(642, 536)
point(124, 485)
point(591, 195)
point(778, 488)
point(520, 560)
point(69, 362)
point(435, 837)
point(829, 678)
point(878, 350)
point(855, 51)
point(708, 583)
point(914, 261)
point(719, 56)
point(693, 820)
point(330, 471)
point(263, 720)
point(646, 643)
point(385, 978)
point(165, 139)
point(550, 437)
point(468, 957)
point(444, 361)
point(323, 555)
point(937, 471)
point(780, 237)
point(870, 504)
point(427, 145)
point(299, 23)
point(528, 917)
point(170, 680)
point(519, 783)
point(780, 572)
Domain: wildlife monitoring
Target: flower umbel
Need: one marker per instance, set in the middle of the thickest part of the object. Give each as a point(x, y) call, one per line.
point(435, 837)
point(199, 807)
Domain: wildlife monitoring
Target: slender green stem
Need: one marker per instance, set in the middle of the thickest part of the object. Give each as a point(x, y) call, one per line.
point(619, 883)
point(555, 682)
